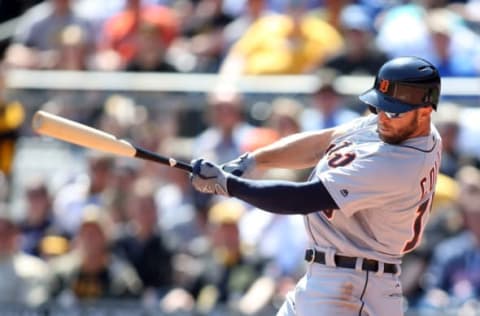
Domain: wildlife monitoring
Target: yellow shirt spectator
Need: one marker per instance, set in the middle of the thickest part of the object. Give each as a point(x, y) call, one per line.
point(11, 117)
point(276, 44)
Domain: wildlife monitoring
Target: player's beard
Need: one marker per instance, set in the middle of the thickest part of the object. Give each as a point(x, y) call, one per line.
point(401, 134)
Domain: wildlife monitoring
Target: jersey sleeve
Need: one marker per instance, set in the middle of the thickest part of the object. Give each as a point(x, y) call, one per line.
point(368, 182)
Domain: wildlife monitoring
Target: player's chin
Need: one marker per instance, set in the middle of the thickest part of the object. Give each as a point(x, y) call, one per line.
point(390, 139)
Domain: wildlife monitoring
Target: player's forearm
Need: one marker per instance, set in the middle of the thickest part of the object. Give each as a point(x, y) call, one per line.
point(297, 151)
point(282, 197)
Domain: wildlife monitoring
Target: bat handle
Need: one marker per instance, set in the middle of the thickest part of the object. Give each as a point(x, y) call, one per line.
point(148, 155)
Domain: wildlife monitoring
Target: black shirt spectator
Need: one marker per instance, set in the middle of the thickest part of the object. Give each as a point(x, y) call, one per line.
point(360, 55)
point(142, 244)
point(150, 257)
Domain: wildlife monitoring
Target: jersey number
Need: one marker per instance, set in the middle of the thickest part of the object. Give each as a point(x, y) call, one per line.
point(339, 160)
point(417, 225)
point(336, 159)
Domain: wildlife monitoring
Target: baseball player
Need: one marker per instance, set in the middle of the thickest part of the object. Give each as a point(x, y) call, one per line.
point(368, 198)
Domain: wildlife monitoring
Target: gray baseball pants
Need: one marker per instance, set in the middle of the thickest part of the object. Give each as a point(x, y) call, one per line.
point(326, 290)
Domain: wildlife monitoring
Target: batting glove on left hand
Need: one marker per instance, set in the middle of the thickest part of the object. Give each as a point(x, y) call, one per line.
point(207, 177)
point(243, 165)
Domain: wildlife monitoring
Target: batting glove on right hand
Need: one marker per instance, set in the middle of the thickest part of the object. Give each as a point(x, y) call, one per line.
point(207, 177)
point(240, 166)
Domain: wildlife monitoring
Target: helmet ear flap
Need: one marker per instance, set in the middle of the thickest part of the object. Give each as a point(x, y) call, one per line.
point(435, 97)
point(428, 96)
point(432, 97)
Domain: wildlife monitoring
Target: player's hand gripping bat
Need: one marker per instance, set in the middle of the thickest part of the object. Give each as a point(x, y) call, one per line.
point(73, 132)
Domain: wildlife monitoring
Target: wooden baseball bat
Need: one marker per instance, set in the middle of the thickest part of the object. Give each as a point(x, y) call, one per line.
point(61, 128)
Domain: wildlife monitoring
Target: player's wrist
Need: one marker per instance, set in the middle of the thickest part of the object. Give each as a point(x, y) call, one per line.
point(223, 180)
point(241, 166)
point(248, 160)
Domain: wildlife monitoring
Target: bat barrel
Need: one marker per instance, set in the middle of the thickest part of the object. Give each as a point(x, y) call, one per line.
point(73, 132)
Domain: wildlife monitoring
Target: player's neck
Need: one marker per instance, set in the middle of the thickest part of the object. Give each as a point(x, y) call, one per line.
point(423, 130)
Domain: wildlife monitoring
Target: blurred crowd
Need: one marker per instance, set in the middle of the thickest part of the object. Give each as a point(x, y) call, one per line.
point(129, 229)
point(242, 37)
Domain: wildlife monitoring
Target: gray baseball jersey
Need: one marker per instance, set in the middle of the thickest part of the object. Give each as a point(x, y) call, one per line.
point(384, 193)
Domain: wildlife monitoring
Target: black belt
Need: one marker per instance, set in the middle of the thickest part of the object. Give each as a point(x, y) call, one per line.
point(349, 262)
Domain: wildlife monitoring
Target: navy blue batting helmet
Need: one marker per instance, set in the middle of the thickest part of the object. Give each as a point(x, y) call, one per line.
point(404, 84)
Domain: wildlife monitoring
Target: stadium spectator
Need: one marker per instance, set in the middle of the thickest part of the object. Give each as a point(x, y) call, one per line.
point(90, 189)
point(73, 51)
point(25, 278)
point(447, 122)
point(263, 234)
point(469, 10)
point(12, 115)
point(469, 130)
point(98, 11)
point(456, 47)
point(178, 216)
point(201, 44)
point(38, 222)
point(453, 277)
point(142, 244)
point(229, 272)
point(253, 10)
point(90, 271)
point(438, 35)
point(227, 129)
point(402, 31)
point(360, 56)
point(285, 116)
point(328, 107)
point(291, 43)
point(38, 40)
point(329, 10)
point(118, 41)
point(124, 175)
point(151, 51)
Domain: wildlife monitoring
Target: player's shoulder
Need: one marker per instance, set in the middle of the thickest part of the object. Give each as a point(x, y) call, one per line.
point(410, 153)
point(406, 161)
point(418, 147)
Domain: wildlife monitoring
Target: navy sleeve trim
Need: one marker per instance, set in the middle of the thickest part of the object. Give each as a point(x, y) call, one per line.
point(282, 197)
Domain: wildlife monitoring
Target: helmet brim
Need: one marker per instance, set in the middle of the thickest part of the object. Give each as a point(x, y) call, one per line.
point(385, 103)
